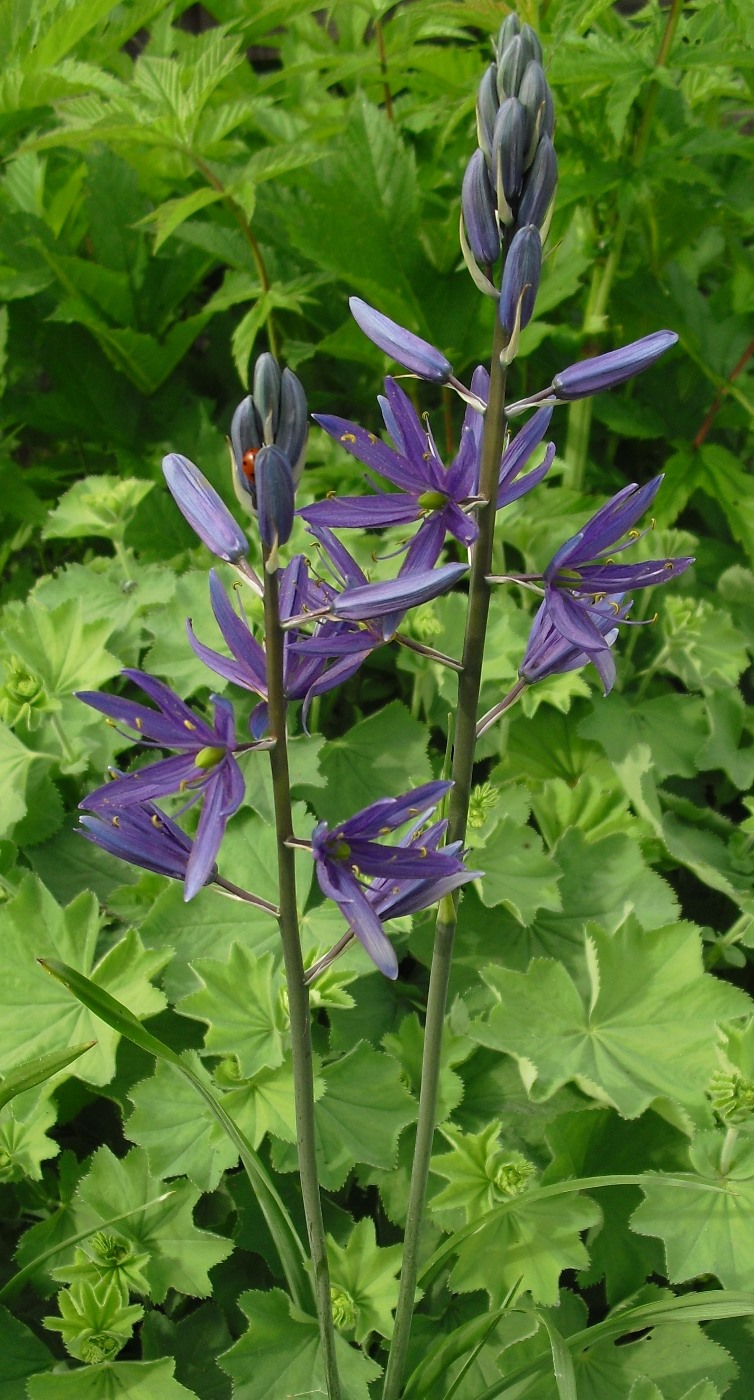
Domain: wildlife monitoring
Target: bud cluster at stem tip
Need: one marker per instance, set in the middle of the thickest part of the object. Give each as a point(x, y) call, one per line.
point(268, 441)
point(509, 185)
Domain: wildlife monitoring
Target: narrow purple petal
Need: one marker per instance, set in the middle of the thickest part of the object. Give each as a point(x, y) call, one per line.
point(573, 621)
point(239, 672)
point(374, 453)
point(340, 886)
point(410, 437)
point(407, 591)
point(365, 512)
point(209, 835)
point(345, 564)
point(518, 452)
point(171, 705)
point(237, 634)
point(513, 490)
point(160, 779)
point(391, 812)
point(426, 546)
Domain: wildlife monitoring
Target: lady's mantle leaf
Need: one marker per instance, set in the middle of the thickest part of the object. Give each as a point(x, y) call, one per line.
point(176, 1128)
point(279, 1354)
point(136, 1380)
point(240, 1002)
point(180, 1255)
point(645, 1029)
point(527, 1247)
point(37, 1010)
point(363, 1276)
point(707, 1232)
point(360, 1116)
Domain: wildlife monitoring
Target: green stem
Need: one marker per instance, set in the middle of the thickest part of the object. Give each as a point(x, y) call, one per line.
point(298, 994)
point(580, 413)
point(469, 685)
point(248, 234)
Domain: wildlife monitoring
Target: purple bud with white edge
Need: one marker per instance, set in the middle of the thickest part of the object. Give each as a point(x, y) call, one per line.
point(511, 66)
point(607, 371)
point(508, 146)
point(407, 349)
point(521, 280)
point(539, 185)
point(478, 204)
point(532, 95)
point(486, 111)
point(205, 512)
point(275, 496)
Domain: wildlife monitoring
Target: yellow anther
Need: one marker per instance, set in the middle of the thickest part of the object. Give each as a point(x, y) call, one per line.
point(189, 724)
point(355, 870)
point(348, 437)
point(384, 830)
point(634, 534)
point(155, 820)
point(116, 821)
point(372, 438)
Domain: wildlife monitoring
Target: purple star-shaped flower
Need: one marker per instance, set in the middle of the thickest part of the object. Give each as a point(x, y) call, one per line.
point(309, 669)
point(583, 572)
point(407, 876)
point(205, 765)
point(442, 498)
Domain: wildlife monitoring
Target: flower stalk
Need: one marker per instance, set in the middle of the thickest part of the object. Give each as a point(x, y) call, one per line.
point(298, 995)
point(469, 685)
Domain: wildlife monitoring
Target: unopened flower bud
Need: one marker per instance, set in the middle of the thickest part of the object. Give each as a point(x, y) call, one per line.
point(275, 496)
point(274, 414)
point(532, 95)
point(265, 392)
point(478, 204)
point(294, 422)
point(510, 69)
point(486, 111)
point(520, 280)
point(606, 371)
point(509, 30)
point(539, 185)
point(409, 350)
point(508, 144)
point(530, 43)
point(204, 510)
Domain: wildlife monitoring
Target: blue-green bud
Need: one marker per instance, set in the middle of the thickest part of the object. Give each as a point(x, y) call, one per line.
point(293, 427)
point(478, 204)
point(486, 111)
point(539, 185)
point(265, 392)
point(510, 69)
point(532, 95)
point(509, 29)
point(530, 43)
point(523, 266)
point(275, 497)
point(507, 156)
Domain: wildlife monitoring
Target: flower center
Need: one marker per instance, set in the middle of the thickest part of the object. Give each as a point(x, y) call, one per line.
point(432, 500)
point(207, 758)
point(338, 849)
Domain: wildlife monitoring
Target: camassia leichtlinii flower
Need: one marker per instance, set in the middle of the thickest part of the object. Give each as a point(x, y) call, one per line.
point(405, 877)
point(205, 766)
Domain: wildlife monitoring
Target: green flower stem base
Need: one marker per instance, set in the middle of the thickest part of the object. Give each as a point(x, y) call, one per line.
point(469, 685)
point(298, 995)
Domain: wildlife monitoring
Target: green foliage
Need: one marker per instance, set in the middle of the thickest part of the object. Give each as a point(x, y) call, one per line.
point(179, 191)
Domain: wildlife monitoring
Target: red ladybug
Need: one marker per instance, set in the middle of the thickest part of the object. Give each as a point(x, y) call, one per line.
point(247, 464)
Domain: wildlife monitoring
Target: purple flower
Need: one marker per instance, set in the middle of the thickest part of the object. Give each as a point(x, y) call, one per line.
point(205, 766)
point(392, 599)
point(407, 876)
point(406, 349)
point(142, 835)
point(307, 670)
point(549, 653)
point(205, 512)
point(583, 572)
point(606, 371)
point(439, 497)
